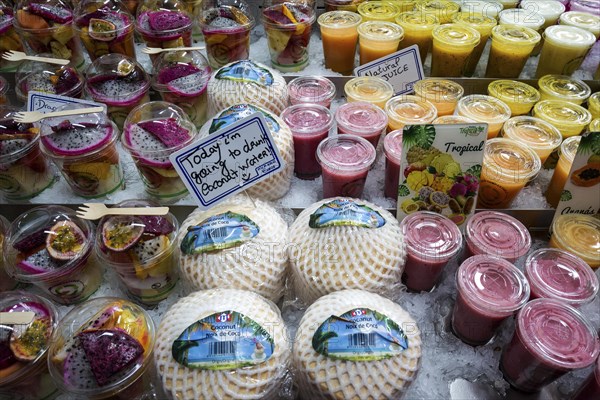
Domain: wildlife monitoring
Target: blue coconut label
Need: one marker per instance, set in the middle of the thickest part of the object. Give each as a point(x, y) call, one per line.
point(219, 232)
point(221, 341)
point(345, 213)
point(360, 334)
point(246, 71)
point(238, 112)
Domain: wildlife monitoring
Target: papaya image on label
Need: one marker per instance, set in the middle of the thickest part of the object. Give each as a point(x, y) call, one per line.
point(587, 176)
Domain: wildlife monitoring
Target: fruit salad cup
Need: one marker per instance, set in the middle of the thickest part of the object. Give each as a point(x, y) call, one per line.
point(47, 78)
point(24, 347)
point(152, 132)
point(288, 26)
point(24, 172)
point(342, 5)
point(9, 39)
point(46, 26)
point(6, 282)
point(119, 82)
point(105, 27)
point(226, 26)
point(141, 249)
point(103, 349)
point(50, 247)
point(181, 78)
point(84, 150)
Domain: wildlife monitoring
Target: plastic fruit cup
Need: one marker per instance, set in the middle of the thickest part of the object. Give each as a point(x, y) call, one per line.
point(226, 27)
point(50, 248)
point(540, 136)
point(567, 152)
point(558, 274)
point(392, 148)
point(47, 78)
point(490, 289)
point(378, 39)
point(27, 377)
point(563, 50)
point(6, 282)
point(165, 25)
point(431, 241)
point(511, 47)
point(144, 137)
point(181, 78)
point(518, 16)
point(311, 89)
point(561, 87)
point(478, 8)
point(342, 5)
point(409, 110)
point(84, 149)
point(46, 26)
point(443, 10)
point(550, 339)
point(594, 125)
point(482, 23)
point(340, 36)
point(9, 38)
point(310, 125)
point(569, 118)
point(361, 119)
point(590, 388)
point(100, 332)
point(513, 3)
point(507, 167)
point(382, 11)
point(485, 109)
point(119, 82)
point(453, 45)
point(550, 10)
point(591, 7)
point(582, 20)
point(288, 39)
point(105, 29)
point(594, 105)
point(518, 96)
point(418, 29)
point(442, 93)
point(579, 235)
point(345, 161)
point(453, 119)
point(24, 172)
point(370, 89)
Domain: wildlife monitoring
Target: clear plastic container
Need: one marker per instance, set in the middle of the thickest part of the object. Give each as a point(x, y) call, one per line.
point(567, 152)
point(409, 110)
point(361, 119)
point(590, 388)
point(511, 47)
point(564, 49)
point(378, 39)
point(442, 93)
point(343, 5)
point(10, 40)
point(378, 11)
point(551, 10)
point(578, 234)
point(570, 119)
point(4, 88)
point(370, 89)
point(518, 96)
point(489, 9)
point(392, 148)
point(588, 6)
point(453, 45)
point(594, 125)
point(453, 119)
point(339, 35)
point(47, 78)
point(485, 109)
point(582, 20)
point(539, 135)
point(561, 87)
point(312, 90)
point(594, 105)
point(6, 282)
point(483, 23)
point(521, 17)
point(443, 10)
point(418, 29)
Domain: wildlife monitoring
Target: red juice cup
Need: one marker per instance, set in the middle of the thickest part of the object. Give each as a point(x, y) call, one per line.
point(6, 282)
point(496, 234)
point(431, 241)
point(590, 389)
point(490, 290)
point(345, 161)
point(311, 89)
point(310, 125)
point(47, 78)
point(550, 339)
point(558, 274)
point(361, 119)
point(392, 148)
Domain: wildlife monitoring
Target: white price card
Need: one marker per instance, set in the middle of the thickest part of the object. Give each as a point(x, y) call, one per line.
point(47, 103)
point(228, 161)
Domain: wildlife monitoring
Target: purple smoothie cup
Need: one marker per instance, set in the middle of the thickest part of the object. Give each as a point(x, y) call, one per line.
point(590, 389)
point(362, 119)
point(392, 148)
point(312, 90)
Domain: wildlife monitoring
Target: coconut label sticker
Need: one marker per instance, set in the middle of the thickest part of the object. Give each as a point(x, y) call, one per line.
point(360, 335)
point(219, 232)
point(221, 341)
point(440, 169)
point(47, 103)
point(237, 112)
point(246, 71)
point(345, 213)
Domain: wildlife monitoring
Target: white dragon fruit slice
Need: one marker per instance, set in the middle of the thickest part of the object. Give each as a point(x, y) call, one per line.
point(72, 140)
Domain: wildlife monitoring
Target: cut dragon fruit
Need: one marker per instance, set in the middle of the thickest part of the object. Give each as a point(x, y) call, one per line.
point(168, 131)
point(139, 139)
point(67, 80)
point(223, 22)
point(11, 146)
point(155, 225)
point(116, 90)
point(176, 71)
point(31, 242)
point(191, 85)
point(39, 262)
point(57, 14)
point(167, 20)
point(72, 140)
point(77, 372)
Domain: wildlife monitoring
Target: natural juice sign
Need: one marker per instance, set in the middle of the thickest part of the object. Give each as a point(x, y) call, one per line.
point(440, 169)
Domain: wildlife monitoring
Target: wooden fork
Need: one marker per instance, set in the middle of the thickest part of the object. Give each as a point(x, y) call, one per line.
point(20, 56)
point(27, 117)
point(95, 211)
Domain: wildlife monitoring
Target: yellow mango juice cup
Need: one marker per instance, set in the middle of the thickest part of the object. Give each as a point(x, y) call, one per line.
point(567, 152)
point(537, 134)
point(378, 39)
point(518, 96)
point(594, 125)
point(443, 10)
point(511, 47)
point(453, 45)
point(371, 89)
point(409, 110)
point(442, 93)
point(484, 109)
point(418, 29)
point(339, 35)
point(564, 49)
point(565, 88)
point(483, 24)
point(578, 234)
point(570, 119)
point(379, 11)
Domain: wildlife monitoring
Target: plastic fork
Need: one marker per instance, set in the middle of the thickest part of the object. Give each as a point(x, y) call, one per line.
point(20, 56)
point(27, 117)
point(95, 211)
point(156, 50)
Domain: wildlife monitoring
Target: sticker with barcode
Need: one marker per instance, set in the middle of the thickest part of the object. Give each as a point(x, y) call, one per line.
point(345, 212)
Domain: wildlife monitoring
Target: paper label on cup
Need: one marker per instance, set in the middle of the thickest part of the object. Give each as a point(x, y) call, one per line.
point(47, 103)
point(401, 69)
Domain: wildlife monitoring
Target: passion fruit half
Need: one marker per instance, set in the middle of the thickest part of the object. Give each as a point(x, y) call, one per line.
point(120, 233)
point(65, 240)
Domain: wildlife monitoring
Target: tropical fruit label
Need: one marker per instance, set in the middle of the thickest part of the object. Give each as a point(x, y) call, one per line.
point(221, 231)
point(345, 212)
point(440, 169)
point(223, 341)
point(360, 334)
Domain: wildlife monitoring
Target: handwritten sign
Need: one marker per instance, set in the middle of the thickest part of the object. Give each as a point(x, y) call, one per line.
point(228, 161)
point(47, 103)
point(401, 69)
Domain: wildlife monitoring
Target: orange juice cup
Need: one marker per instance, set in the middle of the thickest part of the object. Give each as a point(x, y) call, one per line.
point(418, 28)
point(511, 47)
point(582, 20)
point(579, 235)
point(371, 89)
point(484, 109)
point(568, 150)
point(379, 11)
point(453, 45)
point(443, 10)
point(562, 87)
point(518, 96)
point(569, 118)
point(409, 110)
point(442, 93)
point(508, 166)
point(483, 24)
point(563, 50)
point(453, 119)
point(540, 136)
point(594, 105)
point(378, 39)
point(339, 35)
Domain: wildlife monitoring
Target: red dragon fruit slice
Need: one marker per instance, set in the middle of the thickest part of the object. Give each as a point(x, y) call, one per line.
point(77, 372)
point(31, 242)
point(71, 140)
point(155, 225)
point(140, 140)
point(56, 14)
point(191, 85)
point(176, 71)
point(39, 262)
point(168, 131)
point(167, 20)
point(67, 80)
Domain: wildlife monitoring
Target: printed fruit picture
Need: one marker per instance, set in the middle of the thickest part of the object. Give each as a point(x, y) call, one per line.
point(589, 174)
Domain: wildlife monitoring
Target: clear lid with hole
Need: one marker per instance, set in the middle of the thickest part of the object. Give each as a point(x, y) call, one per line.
point(515, 35)
point(482, 23)
point(346, 153)
point(562, 87)
point(498, 234)
point(453, 119)
point(456, 35)
point(392, 145)
point(521, 17)
point(579, 234)
point(360, 118)
point(534, 132)
point(483, 108)
point(510, 161)
point(380, 30)
point(549, 9)
point(418, 21)
point(369, 88)
point(379, 10)
point(489, 9)
point(582, 20)
point(308, 119)
point(311, 89)
point(438, 90)
point(560, 113)
point(339, 19)
point(410, 109)
point(595, 125)
point(431, 235)
point(569, 35)
point(510, 91)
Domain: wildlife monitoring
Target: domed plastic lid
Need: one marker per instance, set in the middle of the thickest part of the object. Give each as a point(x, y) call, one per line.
point(392, 145)
point(369, 88)
point(214, 13)
point(275, 14)
point(483, 108)
point(41, 15)
point(562, 87)
point(308, 119)
point(360, 118)
point(117, 80)
point(549, 9)
point(513, 91)
point(20, 137)
point(431, 235)
point(516, 35)
point(105, 20)
point(102, 332)
point(579, 233)
point(522, 17)
point(560, 113)
point(410, 110)
point(483, 23)
point(312, 89)
point(23, 347)
point(572, 35)
point(347, 153)
point(417, 20)
point(380, 10)
point(163, 19)
point(339, 19)
point(453, 119)
point(380, 30)
point(456, 35)
point(47, 78)
point(534, 132)
point(184, 73)
point(492, 284)
point(558, 334)
point(438, 90)
point(582, 20)
point(558, 274)
point(498, 234)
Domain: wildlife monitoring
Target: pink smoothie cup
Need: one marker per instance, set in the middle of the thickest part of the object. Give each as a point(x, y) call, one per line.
point(550, 339)
point(345, 161)
point(496, 234)
point(590, 389)
point(490, 289)
point(431, 241)
point(310, 125)
point(392, 148)
point(557, 274)
point(311, 89)
point(362, 119)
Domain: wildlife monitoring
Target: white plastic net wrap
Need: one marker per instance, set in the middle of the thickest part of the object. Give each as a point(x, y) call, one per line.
point(322, 377)
point(266, 380)
point(324, 260)
point(259, 264)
